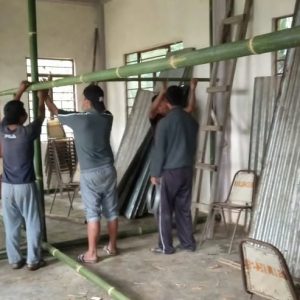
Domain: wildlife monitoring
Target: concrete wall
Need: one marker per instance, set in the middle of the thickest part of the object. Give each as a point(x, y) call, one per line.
point(66, 30)
point(134, 25)
point(247, 69)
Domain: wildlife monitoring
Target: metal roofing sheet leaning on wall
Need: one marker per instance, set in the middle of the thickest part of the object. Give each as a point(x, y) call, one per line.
point(136, 129)
point(138, 126)
point(262, 114)
point(277, 211)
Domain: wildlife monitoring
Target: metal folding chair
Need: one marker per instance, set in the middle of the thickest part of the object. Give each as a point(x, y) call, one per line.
point(239, 199)
point(63, 159)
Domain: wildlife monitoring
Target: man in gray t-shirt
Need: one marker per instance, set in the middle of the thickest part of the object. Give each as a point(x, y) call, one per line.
point(98, 178)
point(19, 191)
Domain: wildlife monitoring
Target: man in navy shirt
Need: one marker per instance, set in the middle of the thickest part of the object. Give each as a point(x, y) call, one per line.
point(19, 191)
point(172, 161)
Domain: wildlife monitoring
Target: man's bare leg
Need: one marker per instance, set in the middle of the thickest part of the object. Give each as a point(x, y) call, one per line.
point(112, 227)
point(93, 232)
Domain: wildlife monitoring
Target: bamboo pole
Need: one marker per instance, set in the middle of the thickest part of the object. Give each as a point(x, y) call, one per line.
point(137, 231)
point(32, 31)
point(269, 42)
point(160, 79)
point(154, 79)
point(96, 279)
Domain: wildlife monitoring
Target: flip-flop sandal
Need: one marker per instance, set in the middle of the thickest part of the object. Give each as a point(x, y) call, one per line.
point(109, 252)
point(81, 259)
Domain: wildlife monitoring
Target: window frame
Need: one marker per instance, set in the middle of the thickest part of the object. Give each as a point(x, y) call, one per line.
point(275, 58)
point(139, 53)
point(45, 75)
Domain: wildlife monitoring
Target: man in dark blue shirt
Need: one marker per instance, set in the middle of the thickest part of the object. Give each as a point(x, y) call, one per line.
point(172, 166)
point(19, 191)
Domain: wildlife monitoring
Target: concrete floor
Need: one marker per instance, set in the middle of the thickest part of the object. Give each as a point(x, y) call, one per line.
point(136, 272)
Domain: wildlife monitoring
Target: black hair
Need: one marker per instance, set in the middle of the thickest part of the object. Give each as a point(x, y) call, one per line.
point(95, 94)
point(99, 106)
point(154, 97)
point(185, 94)
point(13, 111)
point(174, 95)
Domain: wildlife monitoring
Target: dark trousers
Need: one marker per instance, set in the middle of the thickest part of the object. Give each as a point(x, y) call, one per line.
point(176, 192)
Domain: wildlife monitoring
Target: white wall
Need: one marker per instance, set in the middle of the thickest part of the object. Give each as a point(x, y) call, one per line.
point(247, 69)
point(65, 29)
point(132, 25)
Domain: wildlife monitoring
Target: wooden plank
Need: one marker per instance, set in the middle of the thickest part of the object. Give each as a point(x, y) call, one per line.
point(208, 167)
point(212, 128)
point(230, 263)
point(234, 19)
point(218, 89)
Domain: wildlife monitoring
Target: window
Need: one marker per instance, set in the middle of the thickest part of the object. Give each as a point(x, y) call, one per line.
point(143, 56)
point(63, 97)
point(279, 56)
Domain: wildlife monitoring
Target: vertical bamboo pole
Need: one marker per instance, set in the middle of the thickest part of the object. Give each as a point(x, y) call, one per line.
point(35, 78)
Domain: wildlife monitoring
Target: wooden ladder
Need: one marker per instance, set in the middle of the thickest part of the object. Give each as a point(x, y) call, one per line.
point(215, 116)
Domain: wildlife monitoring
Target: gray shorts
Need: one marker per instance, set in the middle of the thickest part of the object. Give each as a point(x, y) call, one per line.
point(99, 193)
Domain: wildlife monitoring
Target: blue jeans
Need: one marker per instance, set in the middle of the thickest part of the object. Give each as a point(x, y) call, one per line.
point(20, 201)
point(98, 188)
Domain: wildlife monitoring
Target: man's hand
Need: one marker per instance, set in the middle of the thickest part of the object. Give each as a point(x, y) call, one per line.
point(155, 180)
point(154, 109)
point(164, 86)
point(192, 96)
point(43, 94)
point(22, 88)
point(193, 83)
point(24, 85)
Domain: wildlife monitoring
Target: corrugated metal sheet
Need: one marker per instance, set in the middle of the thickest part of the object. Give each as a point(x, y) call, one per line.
point(277, 212)
point(137, 127)
point(262, 115)
point(135, 142)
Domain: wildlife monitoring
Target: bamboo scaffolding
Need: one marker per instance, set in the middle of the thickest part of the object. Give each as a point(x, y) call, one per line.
point(90, 276)
point(32, 32)
point(269, 42)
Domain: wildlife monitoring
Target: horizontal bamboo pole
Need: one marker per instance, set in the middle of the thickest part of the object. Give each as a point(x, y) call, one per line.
point(160, 79)
point(269, 42)
point(136, 231)
point(154, 79)
point(96, 279)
